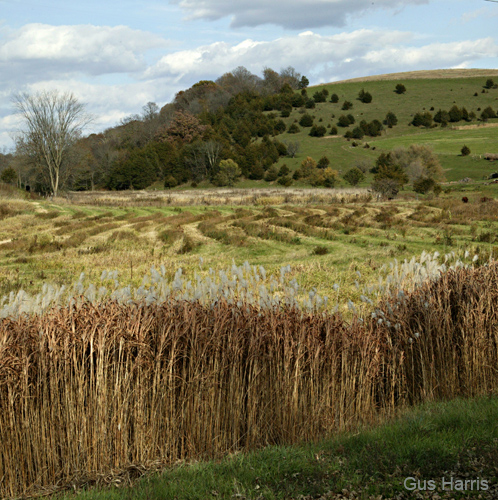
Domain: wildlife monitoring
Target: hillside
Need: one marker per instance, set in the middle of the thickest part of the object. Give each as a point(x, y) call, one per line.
point(257, 123)
point(425, 74)
point(426, 91)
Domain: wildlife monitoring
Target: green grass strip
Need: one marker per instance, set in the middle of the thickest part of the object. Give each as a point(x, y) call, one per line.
point(451, 441)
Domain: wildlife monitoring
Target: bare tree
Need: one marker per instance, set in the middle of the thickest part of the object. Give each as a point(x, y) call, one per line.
point(239, 80)
point(292, 148)
point(103, 151)
point(150, 121)
point(195, 160)
point(203, 157)
point(212, 151)
point(52, 123)
point(150, 111)
point(271, 81)
point(291, 76)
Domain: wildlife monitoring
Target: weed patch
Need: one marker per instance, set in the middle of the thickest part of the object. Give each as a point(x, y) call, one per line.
point(169, 236)
point(8, 210)
point(320, 250)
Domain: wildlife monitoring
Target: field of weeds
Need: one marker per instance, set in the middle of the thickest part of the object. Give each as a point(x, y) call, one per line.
point(224, 196)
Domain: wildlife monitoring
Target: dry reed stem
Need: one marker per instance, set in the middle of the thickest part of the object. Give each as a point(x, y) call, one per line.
point(97, 388)
point(93, 389)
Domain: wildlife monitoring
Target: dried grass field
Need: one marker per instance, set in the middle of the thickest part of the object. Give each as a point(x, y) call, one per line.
point(94, 389)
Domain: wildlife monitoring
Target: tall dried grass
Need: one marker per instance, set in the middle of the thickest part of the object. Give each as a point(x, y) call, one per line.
point(446, 333)
point(95, 388)
point(222, 196)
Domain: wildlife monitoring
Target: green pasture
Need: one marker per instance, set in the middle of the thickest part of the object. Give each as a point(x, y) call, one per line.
point(421, 95)
point(323, 243)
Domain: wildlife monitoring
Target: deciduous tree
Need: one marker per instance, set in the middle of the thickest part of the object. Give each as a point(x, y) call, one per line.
point(423, 185)
point(292, 147)
point(229, 173)
point(307, 166)
point(271, 174)
point(354, 176)
point(386, 187)
point(9, 175)
point(184, 127)
point(52, 122)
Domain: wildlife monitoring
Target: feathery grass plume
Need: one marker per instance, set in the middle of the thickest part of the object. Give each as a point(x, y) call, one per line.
point(92, 388)
point(237, 283)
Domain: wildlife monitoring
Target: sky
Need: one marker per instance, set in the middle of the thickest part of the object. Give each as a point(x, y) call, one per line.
point(116, 56)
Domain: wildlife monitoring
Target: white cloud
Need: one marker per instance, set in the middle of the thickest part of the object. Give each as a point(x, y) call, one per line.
point(486, 11)
point(8, 126)
point(439, 54)
point(107, 103)
point(293, 14)
point(304, 52)
point(110, 103)
point(322, 58)
point(40, 56)
point(40, 51)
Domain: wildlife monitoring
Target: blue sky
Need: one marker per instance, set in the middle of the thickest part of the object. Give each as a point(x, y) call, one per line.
point(116, 56)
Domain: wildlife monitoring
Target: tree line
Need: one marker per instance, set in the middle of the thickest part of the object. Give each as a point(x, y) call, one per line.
point(189, 139)
point(215, 131)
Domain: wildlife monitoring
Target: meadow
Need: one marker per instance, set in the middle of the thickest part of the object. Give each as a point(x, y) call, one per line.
point(425, 91)
point(327, 237)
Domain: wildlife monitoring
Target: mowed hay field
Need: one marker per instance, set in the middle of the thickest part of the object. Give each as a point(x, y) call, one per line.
point(325, 236)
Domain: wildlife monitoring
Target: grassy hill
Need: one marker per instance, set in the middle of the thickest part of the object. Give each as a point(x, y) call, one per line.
point(425, 91)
